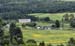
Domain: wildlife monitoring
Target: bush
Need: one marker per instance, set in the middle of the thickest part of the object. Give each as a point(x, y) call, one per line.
point(49, 45)
point(71, 42)
point(31, 24)
point(31, 42)
point(42, 44)
point(72, 23)
point(46, 19)
point(23, 25)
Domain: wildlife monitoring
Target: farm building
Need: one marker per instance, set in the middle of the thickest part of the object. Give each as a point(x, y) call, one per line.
point(43, 27)
point(24, 20)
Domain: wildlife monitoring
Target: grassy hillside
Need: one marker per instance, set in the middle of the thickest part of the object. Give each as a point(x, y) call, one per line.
point(53, 16)
point(49, 36)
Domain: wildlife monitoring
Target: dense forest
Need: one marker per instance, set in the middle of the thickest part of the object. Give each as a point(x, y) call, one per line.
point(31, 6)
point(19, 8)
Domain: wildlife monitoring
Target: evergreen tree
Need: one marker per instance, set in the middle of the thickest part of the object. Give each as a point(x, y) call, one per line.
point(66, 17)
point(42, 44)
point(57, 23)
point(11, 31)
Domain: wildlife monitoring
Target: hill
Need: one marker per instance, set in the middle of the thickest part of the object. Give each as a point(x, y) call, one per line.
point(33, 6)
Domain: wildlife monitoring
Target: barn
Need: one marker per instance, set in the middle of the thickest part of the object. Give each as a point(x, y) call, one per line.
point(24, 20)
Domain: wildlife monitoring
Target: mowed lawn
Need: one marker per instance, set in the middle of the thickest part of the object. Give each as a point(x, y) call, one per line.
point(49, 36)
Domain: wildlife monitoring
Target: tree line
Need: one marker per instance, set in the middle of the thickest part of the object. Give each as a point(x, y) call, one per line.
point(33, 6)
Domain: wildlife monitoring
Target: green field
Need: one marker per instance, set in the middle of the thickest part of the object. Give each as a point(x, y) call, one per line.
point(53, 16)
point(49, 36)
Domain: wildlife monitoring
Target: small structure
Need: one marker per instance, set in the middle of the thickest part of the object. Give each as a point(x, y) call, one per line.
point(24, 20)
point(43, 27)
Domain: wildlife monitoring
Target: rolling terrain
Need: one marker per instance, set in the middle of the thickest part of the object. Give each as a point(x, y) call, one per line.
point(34, 6)
point(49, 36)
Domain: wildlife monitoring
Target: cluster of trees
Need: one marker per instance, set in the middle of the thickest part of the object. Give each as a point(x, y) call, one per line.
point(45, 19)
point(3, 39)
point(18, 15)
point(15, 34)
point(66, 19)
point(69, 19)
point(11, 10)
point(36, 6)
point(56, 24)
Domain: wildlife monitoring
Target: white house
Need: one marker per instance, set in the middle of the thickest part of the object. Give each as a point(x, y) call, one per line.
point(24, 20)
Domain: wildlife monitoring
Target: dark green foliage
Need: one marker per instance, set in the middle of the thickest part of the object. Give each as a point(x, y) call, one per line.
point(71, 17)
point(46, 19)
point(44, 6)
point(15, 33)
point(72, 23)
point(66, 18)
point(71, 42)
point(4, 24)
point(57, 23)
point(1, 37)
point(18, 32)
point(12, 10)
point(33, 18)
point(42, 43)
point(12, 25)
point(18, 35)
point(23, 25)
point(1, 22)
point(31, 42)
point(53, 26)
point(6, 40)
point(31, 24)
point(1, 33)
point(11, 31)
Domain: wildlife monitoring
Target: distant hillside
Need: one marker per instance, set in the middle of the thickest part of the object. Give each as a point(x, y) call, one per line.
point(31, 6)
point(67, 0)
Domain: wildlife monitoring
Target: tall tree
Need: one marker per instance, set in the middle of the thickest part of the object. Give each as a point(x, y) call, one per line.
point(66, 17)
point(57, 23)
point(72, 23)
point(71, 17)
point(42, 44)
point(11, 31)
point(1, 37)
point(19, 36)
